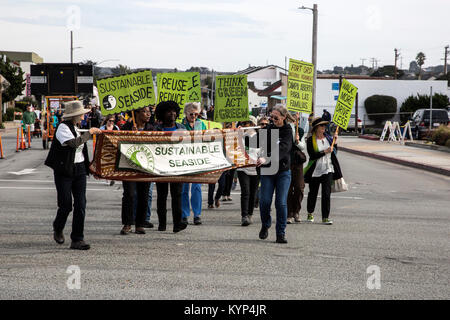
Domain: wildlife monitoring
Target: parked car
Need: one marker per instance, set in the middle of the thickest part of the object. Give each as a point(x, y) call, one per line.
point(420, 121)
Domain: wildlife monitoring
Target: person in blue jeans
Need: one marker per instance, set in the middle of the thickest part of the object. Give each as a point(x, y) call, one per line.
point(275, 173)
point(192, 122)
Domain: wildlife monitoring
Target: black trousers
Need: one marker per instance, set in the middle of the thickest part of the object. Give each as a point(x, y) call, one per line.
point(324, 180)
point(131, 191)
point(296, 190)
point(219, 192)
point(161, 203)
point(67, 187)
point(228, 182)
point(249, 186)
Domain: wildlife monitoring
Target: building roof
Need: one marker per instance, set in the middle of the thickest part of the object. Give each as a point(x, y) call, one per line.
point(270, 90)
point(251, 69)
point(19, 56)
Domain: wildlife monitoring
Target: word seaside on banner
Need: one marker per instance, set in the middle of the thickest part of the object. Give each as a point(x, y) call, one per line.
point(181, 87)
point(300, 86)
point(127, 92)
point(344, 106)
point(231, 99)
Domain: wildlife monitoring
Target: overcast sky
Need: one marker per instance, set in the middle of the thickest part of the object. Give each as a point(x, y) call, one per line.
point(226, 35)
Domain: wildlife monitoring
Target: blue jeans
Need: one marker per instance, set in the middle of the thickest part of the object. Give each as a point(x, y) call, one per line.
point(150, 197)
point(196, 200)
point(279, 183)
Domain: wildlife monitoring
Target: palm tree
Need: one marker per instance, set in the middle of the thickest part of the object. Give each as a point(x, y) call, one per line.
point(420, 59)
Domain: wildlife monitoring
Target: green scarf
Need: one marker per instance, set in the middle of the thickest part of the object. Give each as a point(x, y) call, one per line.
point(316, 149)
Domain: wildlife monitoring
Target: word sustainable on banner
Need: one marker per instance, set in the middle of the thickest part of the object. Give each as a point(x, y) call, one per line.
point(344, 106)
point(127, 92)
point(300, 86)
point(231, 99)
point(181, 87)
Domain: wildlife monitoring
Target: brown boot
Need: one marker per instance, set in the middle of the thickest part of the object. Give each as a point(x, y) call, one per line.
point(125, 230)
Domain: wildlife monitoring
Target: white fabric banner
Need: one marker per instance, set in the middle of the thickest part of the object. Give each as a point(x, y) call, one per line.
point(173, 159)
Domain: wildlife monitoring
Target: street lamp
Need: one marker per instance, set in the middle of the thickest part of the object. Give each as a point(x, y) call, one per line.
point(71, 46)
point(314, 50)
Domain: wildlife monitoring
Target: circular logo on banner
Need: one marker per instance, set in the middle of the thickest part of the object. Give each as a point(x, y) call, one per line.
point(109, 102)
point(140, 157)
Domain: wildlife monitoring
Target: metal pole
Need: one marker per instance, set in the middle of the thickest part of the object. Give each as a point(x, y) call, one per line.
point(314, 55)
point(431, 107)
point(71, 46)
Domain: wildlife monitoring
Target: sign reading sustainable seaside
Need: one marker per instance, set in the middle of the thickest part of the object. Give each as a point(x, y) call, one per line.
point(344, 106)
point(127, 92)
point(300, 86)
point(231, 98)
point(181, 87)
point(172, 159)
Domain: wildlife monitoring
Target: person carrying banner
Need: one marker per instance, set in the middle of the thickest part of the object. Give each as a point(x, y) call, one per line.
point(136, 193)
point(248, 177)
point(323, 167)
point(167, 113)
point(192, 122)
point(280, 180)
point(69, 159)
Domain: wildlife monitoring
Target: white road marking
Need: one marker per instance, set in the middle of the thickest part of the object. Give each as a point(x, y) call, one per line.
point(22, 172)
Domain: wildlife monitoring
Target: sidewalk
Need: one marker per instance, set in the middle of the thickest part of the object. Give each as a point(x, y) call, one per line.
point(430, 160)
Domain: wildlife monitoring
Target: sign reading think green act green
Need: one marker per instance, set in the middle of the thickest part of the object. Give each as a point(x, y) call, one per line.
point(127, 92)
point(300, 86)
point(344, 106)
point(181, 87)
point(231, 98)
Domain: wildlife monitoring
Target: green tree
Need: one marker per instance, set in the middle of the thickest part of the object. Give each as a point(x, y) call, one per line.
point(420, 59)
point(121, 69)
point(380, 108)
point(387, 71)
point(412, 103)
point(15, 77)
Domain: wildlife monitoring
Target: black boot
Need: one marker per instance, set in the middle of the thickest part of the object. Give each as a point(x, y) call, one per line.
point(281, 238)
point(264, 233)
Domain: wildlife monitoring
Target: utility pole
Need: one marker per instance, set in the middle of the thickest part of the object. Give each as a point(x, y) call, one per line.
point(395, 68)
point(314, 51)
point(71, 46)
point(445, 59)
point(362, 61)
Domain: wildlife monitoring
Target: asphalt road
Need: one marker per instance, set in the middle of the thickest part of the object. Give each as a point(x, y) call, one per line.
point(394, 218)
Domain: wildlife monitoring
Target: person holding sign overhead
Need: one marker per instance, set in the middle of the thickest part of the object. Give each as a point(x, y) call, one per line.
point(191, 122)
point(323, 167)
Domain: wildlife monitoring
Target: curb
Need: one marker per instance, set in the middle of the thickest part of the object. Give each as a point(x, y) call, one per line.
point(429, 147)
point(415, 165)
point(370, 137)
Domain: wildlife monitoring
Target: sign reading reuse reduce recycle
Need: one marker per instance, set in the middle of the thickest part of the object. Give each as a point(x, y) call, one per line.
point(181, 87)
point(300, 86)
point(231, 98)
point(127, 92)
point(344, 106)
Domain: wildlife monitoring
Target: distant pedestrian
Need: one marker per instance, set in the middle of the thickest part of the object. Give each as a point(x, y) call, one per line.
point(69, 159)
point(327, 117)
point(323, 167)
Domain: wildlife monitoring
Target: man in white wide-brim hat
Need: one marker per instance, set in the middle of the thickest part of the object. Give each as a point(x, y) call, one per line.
point(69, 159)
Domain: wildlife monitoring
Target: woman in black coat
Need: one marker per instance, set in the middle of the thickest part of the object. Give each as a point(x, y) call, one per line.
point(323, 167)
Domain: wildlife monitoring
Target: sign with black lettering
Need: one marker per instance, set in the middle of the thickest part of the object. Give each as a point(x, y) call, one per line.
point(344, 106)
point(231, 99)
point(181, 87)
point(300, 86)
point(127, 92)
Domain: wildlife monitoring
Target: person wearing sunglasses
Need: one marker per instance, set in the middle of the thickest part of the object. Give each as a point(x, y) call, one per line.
point(109, 123)
point(192, 122)
point(322, 168)
point(275, 172)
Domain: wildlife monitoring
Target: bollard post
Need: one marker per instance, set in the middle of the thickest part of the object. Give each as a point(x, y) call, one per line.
point(17, 142)
point(1, 148)
point(22, 139)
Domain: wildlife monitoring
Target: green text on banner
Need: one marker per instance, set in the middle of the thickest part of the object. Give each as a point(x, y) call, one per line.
point(231, 98)
point(181, 87)
point(344, 106)
point(300, 86)
point(127, 92)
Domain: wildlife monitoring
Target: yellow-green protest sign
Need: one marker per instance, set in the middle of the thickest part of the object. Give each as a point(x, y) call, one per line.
point(212, 124)
point(181, 87)
point(126, 92)
point(231, 98)
point(300, 86)
point(344, 106)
